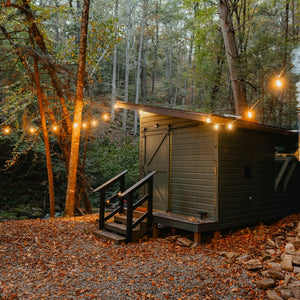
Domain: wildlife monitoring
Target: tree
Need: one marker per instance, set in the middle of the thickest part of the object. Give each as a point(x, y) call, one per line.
point(74, 156)
point(237, 82)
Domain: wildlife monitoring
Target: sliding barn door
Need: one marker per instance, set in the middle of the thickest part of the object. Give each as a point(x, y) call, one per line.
point(156, 158)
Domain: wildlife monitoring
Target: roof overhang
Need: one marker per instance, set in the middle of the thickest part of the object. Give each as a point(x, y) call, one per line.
point(203, 117)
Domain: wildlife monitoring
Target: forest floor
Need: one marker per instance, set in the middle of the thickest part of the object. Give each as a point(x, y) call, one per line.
point(62, 259)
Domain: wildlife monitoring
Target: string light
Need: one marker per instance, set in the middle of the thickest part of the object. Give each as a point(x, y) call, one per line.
point(278, 82)
point(216, 126)
point(105, 117)
point(208, 120)
point(250, 114)
point(84, 125)
point(32, 130)
point(75, 125)
point(7, 130)
point(55, 128)
point(230, 126)
point(94, 123)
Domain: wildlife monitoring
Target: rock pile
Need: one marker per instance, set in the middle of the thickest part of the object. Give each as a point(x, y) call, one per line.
point(279, 264)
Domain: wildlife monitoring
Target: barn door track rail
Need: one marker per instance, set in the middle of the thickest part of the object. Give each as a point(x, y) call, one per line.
point(126, 224)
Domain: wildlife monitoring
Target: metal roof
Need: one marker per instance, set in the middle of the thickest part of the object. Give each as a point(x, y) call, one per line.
point(203, 117)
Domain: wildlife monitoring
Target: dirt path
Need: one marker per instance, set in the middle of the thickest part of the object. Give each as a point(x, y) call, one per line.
point(61, 259)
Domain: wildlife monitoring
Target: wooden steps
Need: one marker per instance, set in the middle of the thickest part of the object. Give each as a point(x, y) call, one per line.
point(115, 229)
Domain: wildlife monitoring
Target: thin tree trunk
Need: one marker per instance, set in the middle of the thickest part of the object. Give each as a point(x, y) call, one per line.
point(74, 156)
point(155, 49)
point(138, 75)
point(114, 77)
point(46, 138)
point(239, 91)
point(127, 66)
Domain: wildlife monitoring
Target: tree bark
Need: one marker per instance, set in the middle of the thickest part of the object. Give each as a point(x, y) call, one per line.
point(114, 75)
point(138, 76)
point(238, 88)
point(74, 155)
point(46, 137)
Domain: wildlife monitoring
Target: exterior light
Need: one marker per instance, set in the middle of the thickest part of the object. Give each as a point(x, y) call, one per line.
point(250, 114)
point(32, 130)
point(140, 111)
point(208, 120)
point(216, 126)
point(105, 117)
point(278, 83)
point(75, 125)
point(7, 130)
point(94, 122)
point(55, 128)
point(230, 126)
point(84, 125)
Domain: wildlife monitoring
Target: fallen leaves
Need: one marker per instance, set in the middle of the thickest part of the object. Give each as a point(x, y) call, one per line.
point(43, 258)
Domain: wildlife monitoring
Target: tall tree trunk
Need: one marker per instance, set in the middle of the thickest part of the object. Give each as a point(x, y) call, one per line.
point(74, 155)
point(138, 75)
point(238, 88)
point(154, 66)
point(45, 136)
point(127, 65)
point(114, 75)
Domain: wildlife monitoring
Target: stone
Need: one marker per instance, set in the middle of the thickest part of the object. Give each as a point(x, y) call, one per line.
point(296, 243)
point(286, 293)
point(286, 264)
point(266, 257)
point(243, 258)
point(271, 251)
point(296, 260)
point(265, 283)
point(275, 274)
point(296, 291)
point(272, 295)
point(290, 248)
point(254, 264)
point(297, 270)
point(271, 243)
point(273, 265)
point(182, 241)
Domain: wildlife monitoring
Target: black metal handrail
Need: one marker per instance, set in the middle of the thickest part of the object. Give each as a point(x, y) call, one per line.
point(129, 196)
point(103, 189)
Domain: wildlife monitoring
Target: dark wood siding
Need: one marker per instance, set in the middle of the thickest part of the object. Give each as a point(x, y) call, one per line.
point(193, 161)
point(193, 170)
point(247, 173)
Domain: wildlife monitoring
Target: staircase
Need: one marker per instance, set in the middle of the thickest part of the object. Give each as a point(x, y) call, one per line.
point(115, 228)
point(124, 225)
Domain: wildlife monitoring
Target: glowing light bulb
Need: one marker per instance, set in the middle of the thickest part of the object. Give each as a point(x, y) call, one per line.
point(230, 126)
point(216, 127)
point(84, 125)
point(250, 114)
point(75, 125)
point(105, 117)
point(32, 130)
point(55, 128)
point(208, 120)
point(7, 130)
point(278, 83)
point(94, 122)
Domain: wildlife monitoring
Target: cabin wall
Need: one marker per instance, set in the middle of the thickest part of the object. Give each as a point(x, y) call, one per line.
point(192, 162)
point(247, 173)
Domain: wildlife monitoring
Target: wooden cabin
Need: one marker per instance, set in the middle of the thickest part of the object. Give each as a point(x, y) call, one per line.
point(210, 176)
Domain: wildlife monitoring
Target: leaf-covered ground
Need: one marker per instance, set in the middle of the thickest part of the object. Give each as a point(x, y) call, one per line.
point(62, 259)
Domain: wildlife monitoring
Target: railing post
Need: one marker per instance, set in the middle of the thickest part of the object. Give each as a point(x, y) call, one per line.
point(150, 202)
point(129, 218)
point(102, 209)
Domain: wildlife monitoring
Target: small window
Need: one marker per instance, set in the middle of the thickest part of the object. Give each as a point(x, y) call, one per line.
point(247, 171)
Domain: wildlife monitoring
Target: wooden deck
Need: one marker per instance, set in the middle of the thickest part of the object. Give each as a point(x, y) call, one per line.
point(189, 223)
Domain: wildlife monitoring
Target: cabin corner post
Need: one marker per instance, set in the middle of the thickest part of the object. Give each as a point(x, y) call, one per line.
point(102, 209)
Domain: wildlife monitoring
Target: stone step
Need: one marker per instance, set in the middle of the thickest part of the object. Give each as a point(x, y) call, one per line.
point(111, 236)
